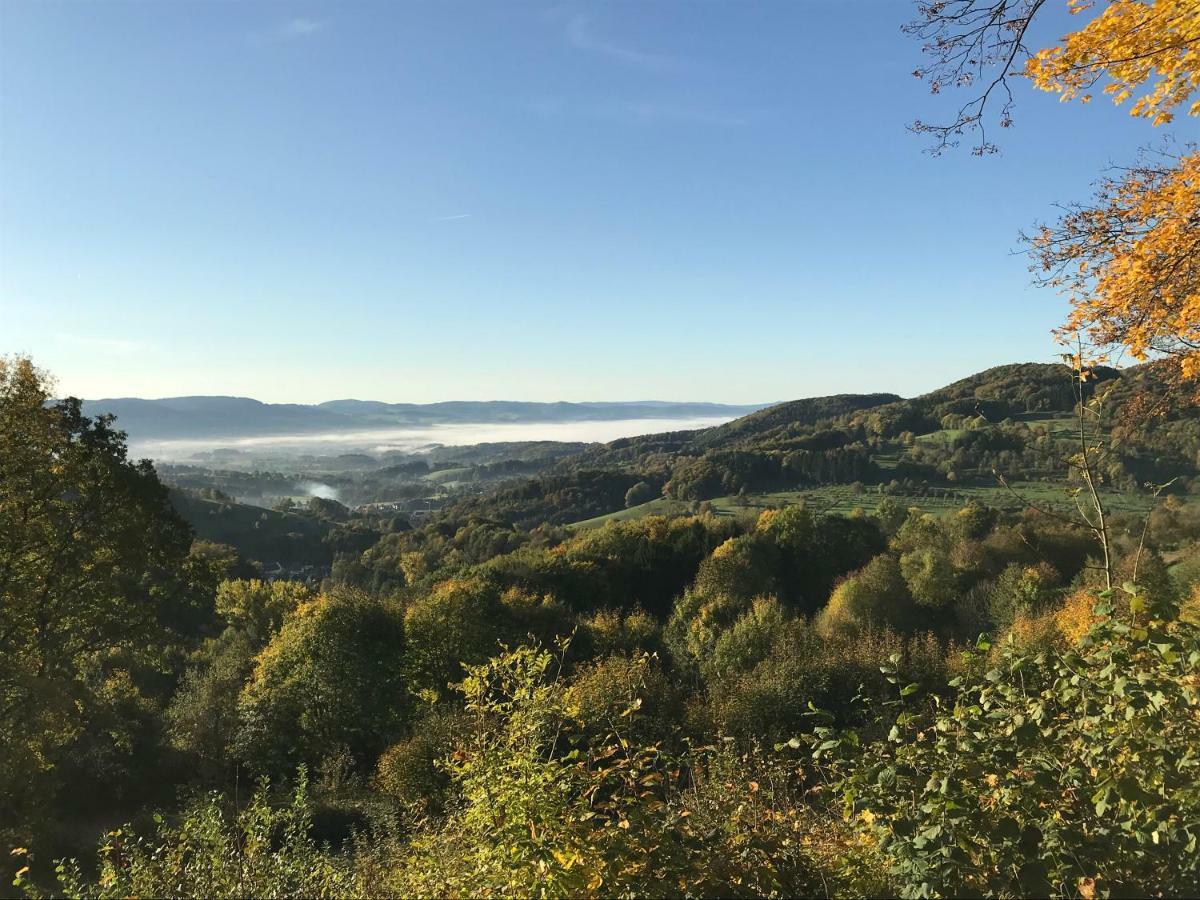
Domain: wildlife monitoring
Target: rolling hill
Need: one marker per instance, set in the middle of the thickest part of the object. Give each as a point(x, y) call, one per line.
point(1016, 420)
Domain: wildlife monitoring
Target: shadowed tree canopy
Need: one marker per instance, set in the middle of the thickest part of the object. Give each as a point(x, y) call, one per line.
point(95, 581)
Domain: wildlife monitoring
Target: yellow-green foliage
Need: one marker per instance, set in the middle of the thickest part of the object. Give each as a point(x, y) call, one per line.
point(1060, 772)
point(697, 623)
point(330, 679)
point(259, 606)
point(874, 597)
point(544, 815)
point(1189, 609)
point(600, 695)
point(464, 620)
point(738, 568)
point(772, 699)
point(608, 631)
point(924, 545)
point(202, 718)
point(261, 850)
point(1022, 590)
point(746, 642)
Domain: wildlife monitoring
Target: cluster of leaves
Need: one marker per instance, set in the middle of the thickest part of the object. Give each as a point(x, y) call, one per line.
point(1130, 259)
point(1061, 771)
point(1131, 43)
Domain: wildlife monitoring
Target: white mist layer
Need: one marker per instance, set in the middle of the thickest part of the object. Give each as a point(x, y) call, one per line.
point(415, 439)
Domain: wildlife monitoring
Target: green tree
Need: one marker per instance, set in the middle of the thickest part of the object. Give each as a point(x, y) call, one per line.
point(642, 492)
point(202, 717)
point(96, 588)
point(258, 607)
point(330, 681)
point(1021, 590)
point(874, 597)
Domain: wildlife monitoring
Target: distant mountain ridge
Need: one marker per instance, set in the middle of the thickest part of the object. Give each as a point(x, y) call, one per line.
point(230, 417)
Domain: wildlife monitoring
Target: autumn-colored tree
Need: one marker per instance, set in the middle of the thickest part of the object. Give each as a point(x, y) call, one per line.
point(1129, 261)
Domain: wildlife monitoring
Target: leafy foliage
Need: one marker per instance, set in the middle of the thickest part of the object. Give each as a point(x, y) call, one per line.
point(328, 680)
point(1051, 772)
point(1130, 260)
point(99, 596)
point(262, 850)
point(1131, 44)
point(547, 811)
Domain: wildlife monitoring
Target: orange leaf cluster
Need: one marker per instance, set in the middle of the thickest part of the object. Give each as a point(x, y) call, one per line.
point(1130, 263)
point(1131, 43)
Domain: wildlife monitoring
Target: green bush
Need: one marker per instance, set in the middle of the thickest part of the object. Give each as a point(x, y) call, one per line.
point(1051, 773)
point(543, 813)
point(262, 850)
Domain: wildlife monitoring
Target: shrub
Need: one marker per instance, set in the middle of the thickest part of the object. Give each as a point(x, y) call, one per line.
point(408, 771)
point(260, 851)
point(1051, 773)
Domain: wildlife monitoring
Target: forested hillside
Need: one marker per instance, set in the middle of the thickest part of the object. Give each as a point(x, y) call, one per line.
point(1014, 424)
point(698, 703)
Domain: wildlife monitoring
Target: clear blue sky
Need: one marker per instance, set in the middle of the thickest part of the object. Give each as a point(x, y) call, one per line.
point(449, 200)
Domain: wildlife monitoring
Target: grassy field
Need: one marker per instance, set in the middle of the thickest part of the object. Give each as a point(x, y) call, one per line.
point(841, 498)
point(945, 436)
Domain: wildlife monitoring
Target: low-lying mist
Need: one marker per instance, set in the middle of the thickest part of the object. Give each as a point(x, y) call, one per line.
point(418, 439)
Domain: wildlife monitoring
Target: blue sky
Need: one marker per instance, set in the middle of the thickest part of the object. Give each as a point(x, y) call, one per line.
point(452, 200)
